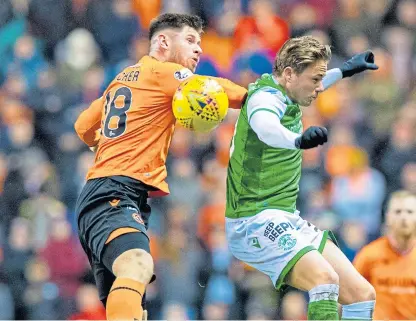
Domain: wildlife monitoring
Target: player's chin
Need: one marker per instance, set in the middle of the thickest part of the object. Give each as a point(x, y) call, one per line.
point(192, 67)
point(409, 231)
point(306, 103)
point(405, 232)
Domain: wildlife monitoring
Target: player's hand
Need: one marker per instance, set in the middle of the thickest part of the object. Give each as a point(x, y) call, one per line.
point(358, 63)
point(312, 137)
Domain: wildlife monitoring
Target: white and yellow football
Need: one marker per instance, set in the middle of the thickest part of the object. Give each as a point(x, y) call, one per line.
point(200, 103)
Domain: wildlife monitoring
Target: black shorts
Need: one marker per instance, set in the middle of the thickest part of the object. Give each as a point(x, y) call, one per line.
point(104, 205)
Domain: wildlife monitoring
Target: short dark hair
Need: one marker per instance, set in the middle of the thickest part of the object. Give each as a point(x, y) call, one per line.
point(175, 21)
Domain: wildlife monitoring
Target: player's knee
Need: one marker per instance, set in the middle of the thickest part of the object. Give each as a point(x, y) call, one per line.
point(366, 293)
point(312, 270)
point(136, 264)
point(326, 276)
point(358, 292)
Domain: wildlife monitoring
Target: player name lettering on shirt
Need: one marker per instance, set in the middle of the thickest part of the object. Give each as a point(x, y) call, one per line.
point(403, 282)
point(397, 290)
point(396, 285)
point(128, 76)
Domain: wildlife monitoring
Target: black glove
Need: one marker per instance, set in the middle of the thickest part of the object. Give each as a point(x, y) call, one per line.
point(358, 63)
point(312, 137)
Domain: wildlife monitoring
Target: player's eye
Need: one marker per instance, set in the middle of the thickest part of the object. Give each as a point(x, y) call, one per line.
point(398, 212)
point(190, 40)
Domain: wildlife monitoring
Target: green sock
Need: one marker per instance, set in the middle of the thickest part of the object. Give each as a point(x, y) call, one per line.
point(323, 302)
point(323, 310)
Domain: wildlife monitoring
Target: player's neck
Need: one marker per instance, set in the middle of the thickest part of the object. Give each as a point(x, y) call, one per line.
point(158, 55)
point(282, 82)
point(402, 244)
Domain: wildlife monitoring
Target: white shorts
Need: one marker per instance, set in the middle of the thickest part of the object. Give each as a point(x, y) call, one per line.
point(273, 241)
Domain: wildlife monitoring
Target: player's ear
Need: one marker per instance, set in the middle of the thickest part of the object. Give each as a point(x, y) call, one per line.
point(288, 73)
point(163, 41)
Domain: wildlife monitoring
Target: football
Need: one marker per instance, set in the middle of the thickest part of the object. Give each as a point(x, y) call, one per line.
point(200, 103)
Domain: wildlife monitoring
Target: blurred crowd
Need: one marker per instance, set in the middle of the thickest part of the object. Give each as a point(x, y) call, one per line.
point(59, 55)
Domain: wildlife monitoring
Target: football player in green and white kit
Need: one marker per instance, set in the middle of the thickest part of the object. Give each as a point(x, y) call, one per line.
point(263, 227)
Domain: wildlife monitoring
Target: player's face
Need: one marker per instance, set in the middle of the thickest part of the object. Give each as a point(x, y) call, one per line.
point(303, 88)
point(401, 216)
point(186, 48)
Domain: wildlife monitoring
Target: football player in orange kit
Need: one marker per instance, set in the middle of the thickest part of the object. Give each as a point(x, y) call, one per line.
point(131, 127)
point(389, 262)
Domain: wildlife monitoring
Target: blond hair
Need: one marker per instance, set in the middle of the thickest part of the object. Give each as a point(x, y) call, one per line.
point(400, 194)
point(299, 53)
